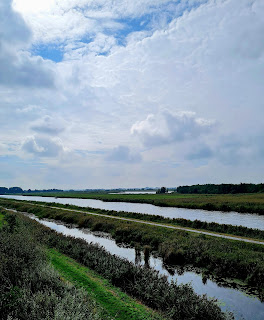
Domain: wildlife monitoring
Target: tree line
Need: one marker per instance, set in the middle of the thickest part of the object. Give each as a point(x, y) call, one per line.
point(222, 188)
point(12, 190)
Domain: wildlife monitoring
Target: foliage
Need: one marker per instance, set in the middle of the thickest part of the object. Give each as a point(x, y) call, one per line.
point(118, 304)
point(225, 258)
point(244, 203)
point(29, 286)
point(195, 224)
point(222, 188)
point(4, 190)
point(177, 302)
point(162, 190)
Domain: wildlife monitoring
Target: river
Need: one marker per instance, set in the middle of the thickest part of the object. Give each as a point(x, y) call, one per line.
point(234, 218)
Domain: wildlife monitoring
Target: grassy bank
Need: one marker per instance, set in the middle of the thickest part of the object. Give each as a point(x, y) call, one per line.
point(243, 203)
point(29, 286)
point(118, 305)
point(1, 219)
point(175, 302)
point(225, 229)
point(102, 298)
point(225, 258)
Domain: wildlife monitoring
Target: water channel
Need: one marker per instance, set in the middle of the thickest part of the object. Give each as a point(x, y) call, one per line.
point(243, 305)
point(234, 218)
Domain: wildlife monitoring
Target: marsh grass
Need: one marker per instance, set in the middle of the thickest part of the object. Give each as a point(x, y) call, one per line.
point(29, 286)
point(243, 203)
point(222, 257)
point(119, 305)
point(174, 301)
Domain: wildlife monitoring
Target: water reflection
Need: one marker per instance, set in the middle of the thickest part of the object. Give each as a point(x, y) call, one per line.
point(230, 299)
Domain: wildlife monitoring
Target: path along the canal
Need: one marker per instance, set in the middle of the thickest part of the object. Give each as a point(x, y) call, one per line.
point(213, 234)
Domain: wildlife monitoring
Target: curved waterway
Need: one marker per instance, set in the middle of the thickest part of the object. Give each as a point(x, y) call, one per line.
point(234, 218)
point(243, 305)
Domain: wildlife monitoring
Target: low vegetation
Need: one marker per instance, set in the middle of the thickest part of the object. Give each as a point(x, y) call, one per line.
point(118, 304)
point(225, 258)
point(29, 286)
point(175, 302)
point(180, 222)
point(243, 203)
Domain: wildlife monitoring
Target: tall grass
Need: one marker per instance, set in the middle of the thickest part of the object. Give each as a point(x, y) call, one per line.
point(175, 301)
point(196, 224)
point(29, 286)
point(225, 258)
point(243, 203)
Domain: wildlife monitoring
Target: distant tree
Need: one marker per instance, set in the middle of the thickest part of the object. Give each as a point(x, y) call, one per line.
point(223, 188)
point(15, 190)
point(162, 190)
point(3, 190)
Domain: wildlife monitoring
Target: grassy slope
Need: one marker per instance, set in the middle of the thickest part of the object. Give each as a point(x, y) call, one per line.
point(113, 300)
point(250, 202)
point(115, 303)
point(1, 219)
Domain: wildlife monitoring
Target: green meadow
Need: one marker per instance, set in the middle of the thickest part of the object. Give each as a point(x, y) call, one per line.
point(247, 202)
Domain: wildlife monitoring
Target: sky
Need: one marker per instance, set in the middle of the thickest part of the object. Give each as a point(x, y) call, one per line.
point(143, 93)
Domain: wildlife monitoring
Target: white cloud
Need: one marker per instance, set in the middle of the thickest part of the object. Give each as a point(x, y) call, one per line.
point(209, 61)
point(28, 109)
point(18, 67)
point(64, 21)
point(166, 127)
point(49, 125)
point(43, 146)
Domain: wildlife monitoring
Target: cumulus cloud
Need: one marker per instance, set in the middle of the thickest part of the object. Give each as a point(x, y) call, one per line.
point(208, 60)
point(43, 146)
point(18, 67)
point(166, 127)
point(123, 154)
point(49, 125)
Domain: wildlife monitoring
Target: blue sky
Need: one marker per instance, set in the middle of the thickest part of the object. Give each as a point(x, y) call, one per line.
point(105, 94)
point(156, 16)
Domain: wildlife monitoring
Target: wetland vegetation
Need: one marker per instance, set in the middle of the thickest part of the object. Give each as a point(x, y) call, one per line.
point(225, 258)
point(20, 284)
point(243, 203)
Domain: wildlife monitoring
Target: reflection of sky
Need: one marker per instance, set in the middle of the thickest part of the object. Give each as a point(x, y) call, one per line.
point(110, 245)
point(233, 218)
point(230, 299)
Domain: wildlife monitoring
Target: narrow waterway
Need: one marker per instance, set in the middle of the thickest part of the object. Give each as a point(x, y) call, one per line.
point(243, 305)
point(234, 218)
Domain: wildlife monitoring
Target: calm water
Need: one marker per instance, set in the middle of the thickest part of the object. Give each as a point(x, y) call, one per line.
point(233, 218)
point(244, 306)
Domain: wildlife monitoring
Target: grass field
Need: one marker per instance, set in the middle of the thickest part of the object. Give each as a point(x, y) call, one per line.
point(248, 202)
point(116, 303)
point(1, 219)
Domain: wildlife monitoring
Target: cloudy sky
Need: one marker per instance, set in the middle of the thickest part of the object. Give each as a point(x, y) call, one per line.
point(118, 93)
